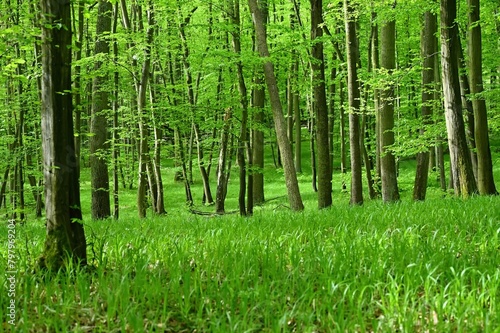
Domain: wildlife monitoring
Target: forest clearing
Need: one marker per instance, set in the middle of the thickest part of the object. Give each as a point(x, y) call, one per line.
point(259, 166)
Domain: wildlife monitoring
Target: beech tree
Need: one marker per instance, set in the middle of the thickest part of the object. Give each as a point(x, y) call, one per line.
point(485, 180)
point(321, 110)
point(100, 104)
point(464, 183)
point(65, 239)
point(279, 120)
point(390, 191)
point(428, 44)
point(354, 104)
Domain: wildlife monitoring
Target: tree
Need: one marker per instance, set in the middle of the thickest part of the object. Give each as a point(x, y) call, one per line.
point(390, 191)
point(354, 104)
point(485, 180)
point(242, 88)
point(428, 45)
point(292, 184)
point(98, 126)
point(464, 183)
point(321, 110)
point(65, 234)
point(258, 102)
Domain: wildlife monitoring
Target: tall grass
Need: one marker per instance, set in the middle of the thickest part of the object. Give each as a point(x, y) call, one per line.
point(429, 266)
point(411, 267)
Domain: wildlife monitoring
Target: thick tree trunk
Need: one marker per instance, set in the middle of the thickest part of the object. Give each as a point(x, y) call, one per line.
point(320, 107)
point(279, 121)
point(464, 183)
point(98, 125)
point(485, 180)
point(65, 234)
point(428, 46)
point(390, 191)
point(354, 104)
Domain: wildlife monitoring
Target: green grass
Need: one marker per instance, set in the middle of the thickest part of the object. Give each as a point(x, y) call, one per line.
point(410, 267)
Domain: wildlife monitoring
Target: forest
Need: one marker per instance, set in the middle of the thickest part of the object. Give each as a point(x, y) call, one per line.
point(260, 165)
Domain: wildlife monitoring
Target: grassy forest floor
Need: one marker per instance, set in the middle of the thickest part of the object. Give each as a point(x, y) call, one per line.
point(430, 266)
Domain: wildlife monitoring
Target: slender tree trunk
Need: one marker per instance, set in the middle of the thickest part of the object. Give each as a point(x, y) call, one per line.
point(78, 79)
point(354, 104)
point(258, 139)
point(144, 158)
point(222, 173)
point(343, 153)
point(485, 180)
point(375, 60)
point(312, 145)
point(321, 109)
point(390, 191)
point(428, 46)
point(159, 207)
point(65, 234)
point(116, 136)
point(98, 125)
point(279, 121)
point(242, 88)
point(331, 109)
point(467, 106)
point(464, 183)
point(192, 102)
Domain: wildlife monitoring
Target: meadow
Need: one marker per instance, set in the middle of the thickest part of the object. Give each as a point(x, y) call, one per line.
point(429, 266)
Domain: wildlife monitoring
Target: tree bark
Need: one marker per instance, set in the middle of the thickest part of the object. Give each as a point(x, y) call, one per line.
point(321, 109)
point(98, 125)
point(144, 158)
point(485, 180)
point(279, 121)
point(258, 139)
point(354, 104)
point(390, 191)
point(222, 173)
point(65, 234)
point(428, 46)
point(464, 183)
point(242, 88)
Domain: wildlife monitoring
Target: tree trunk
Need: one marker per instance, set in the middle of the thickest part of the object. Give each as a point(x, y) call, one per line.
point(144, 158)
point(98, 125)
point(279, 121)
point(467, 107)
point(464, 183)
point(312, 145)
point(428, 46)
point(352, 51)
point(375, 60)
point(343, 153)
point(116, 136)
point(242, 88)
point(390, 191)
point(258, 139)
point(485, 180)
point(222, 174)
point(321, 109)
point(65, 234)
